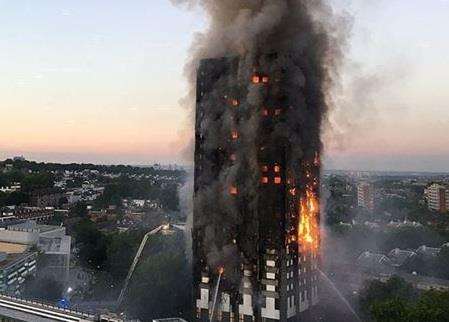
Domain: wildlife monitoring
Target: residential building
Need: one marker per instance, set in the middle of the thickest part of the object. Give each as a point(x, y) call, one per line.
point(375, 263)
point(16, 186)
point(437, 196)
point(399, 257)
point(365, 196)
point(256, 205)
point(52, 241)
point(428, 252)
point(16, 263)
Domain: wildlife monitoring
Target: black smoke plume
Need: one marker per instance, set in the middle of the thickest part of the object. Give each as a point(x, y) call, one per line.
point(298, 45)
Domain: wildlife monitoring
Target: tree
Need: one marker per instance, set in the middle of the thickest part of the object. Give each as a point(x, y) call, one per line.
point(339, 202)
point(169, 197)
point(92, 244)
point(395, 289)
point(79, 209)
point(391, 310)
point(37, 181)
point(57, 219)
point(161, 287)
point(120, 252)
point(13, 199)
point(442, 263)
point(432, 306)
point(396, 301)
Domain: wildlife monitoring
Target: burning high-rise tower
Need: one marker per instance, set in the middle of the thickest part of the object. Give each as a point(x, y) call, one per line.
point(256, 210)
point(260, 103)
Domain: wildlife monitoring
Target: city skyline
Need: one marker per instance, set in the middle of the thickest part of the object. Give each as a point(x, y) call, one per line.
point(102, 83)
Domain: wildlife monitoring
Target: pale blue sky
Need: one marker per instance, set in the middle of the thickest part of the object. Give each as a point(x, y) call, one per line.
point(100, 81)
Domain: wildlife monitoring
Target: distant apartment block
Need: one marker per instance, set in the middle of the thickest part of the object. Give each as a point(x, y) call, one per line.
point(365, 196)
point(437, 196)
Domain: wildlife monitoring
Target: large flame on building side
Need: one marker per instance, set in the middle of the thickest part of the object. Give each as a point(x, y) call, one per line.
point(308, 232)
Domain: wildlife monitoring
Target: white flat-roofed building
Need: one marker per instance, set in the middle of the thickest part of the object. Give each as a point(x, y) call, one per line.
point(51, 240)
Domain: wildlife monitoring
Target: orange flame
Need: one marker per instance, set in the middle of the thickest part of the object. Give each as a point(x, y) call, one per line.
point(255, 79)
point(221, 270)
point(316, 160)
point(308, 232)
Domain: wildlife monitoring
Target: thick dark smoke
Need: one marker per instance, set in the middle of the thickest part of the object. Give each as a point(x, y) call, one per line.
point(239, 27)
point(296, 42)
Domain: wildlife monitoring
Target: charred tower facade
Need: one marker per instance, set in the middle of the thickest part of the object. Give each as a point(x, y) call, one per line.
point(256, 200)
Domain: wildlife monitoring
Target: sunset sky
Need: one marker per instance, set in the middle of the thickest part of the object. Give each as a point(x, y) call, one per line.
point(100, 81)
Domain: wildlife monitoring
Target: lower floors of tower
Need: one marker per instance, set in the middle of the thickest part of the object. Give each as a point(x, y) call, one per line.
point(280, 291)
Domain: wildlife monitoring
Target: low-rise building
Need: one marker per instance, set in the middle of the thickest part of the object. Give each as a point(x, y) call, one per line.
point(52, 241)
point(428, 252)
point(101, 215)
point(135, 216)
point(16, 186)
point(15, 266)
point(396, 260)
point(374, 263)
point(405, 223)
point(399, 257)
point(34, 213)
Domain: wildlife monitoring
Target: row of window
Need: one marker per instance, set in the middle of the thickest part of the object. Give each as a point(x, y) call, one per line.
point(271, 288)
point(260, 79)
point(266, 180)
point(276, 168)
point(266, 112)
